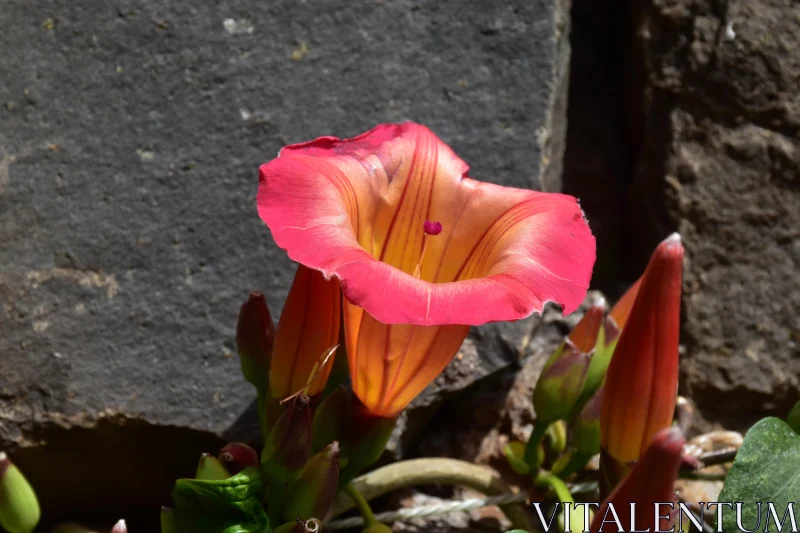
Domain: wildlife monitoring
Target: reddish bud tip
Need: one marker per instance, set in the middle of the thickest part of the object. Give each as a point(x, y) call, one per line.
point(432, 227)
point(584, 335)
point(237, 456)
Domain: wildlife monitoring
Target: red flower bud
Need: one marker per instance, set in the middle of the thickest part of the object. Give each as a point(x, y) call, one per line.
point(642, 382)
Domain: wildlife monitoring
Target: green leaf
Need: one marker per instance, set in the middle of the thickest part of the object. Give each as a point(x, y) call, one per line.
point(767, 470)
point(230, 505)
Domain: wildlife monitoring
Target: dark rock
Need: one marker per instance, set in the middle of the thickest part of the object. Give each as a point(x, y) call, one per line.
point(128, 168)
point(720, 162)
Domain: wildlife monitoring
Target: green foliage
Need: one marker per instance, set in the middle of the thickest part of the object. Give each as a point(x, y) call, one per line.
point(230, 505)
point(766, 469)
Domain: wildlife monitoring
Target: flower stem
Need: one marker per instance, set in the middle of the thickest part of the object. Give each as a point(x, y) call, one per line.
point(532, 448)
point(558, 486)
point(404, 474)
point(361, 504)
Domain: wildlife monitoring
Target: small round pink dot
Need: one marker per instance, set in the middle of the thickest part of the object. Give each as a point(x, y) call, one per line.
point(432, 227)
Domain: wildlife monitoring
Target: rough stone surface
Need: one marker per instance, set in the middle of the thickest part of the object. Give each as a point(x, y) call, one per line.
point(130, 139)
point(720, 162)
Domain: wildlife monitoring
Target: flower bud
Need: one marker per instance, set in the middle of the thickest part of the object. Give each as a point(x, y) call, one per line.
point(209, 468)
point(288, 445)
point(236, 456)
point(120, 527)
point(312, 494)
point(561, 381)
point(19, 507)
point(642, 381)
point(255, 335)
point(651, 481)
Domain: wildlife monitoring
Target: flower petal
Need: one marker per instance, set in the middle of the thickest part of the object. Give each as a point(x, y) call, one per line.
point(355, 209)
point(390, 364)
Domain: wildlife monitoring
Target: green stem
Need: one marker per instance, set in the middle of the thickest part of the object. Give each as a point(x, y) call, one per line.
point(361, 504)
point(576, 462)
point(404, 474)
point(558, 486)
point(532, 448)
point(564, 496)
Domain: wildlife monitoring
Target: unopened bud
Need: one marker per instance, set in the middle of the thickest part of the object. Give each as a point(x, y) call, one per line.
point(562, 379)
point(19, 508)
point(210, 469)
point(255, 335)
point(120, 527)
point(312, 494)
point(288, 445)
point(236, 456)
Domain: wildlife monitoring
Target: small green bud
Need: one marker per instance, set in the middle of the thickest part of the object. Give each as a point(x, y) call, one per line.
point(236, 456)
point(288, 445)
point(312, 494)
point(19, 508)
point(210, 469)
